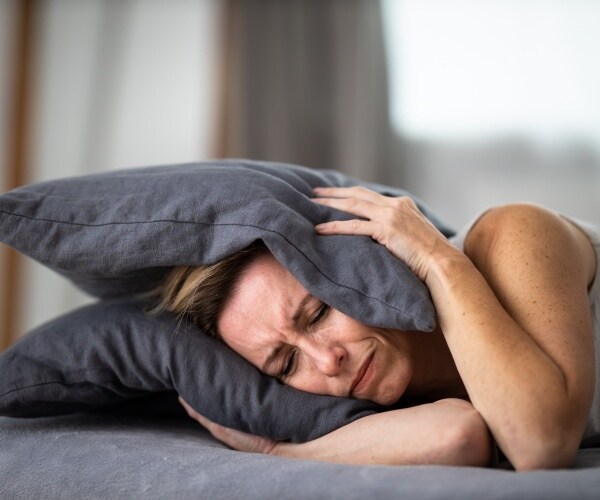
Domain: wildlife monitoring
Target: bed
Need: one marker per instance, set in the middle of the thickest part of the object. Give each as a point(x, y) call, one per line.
point(88, 400)
point(116, 456)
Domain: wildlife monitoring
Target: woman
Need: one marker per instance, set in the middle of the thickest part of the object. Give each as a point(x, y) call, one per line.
point(512, 359)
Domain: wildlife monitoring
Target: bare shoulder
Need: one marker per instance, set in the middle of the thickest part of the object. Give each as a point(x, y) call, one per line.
point(525, 232)
point(539, 266)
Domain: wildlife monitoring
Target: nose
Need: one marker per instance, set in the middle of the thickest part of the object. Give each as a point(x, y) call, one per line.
point(327, 357)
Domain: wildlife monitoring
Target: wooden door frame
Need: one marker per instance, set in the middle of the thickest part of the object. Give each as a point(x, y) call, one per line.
point(18, 151)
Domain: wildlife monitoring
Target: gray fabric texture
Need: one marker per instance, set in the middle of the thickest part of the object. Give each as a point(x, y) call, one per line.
point(90, 456)
point(113, 352)
point(116, 233)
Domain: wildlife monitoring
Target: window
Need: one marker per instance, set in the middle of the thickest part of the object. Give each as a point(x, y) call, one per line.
point(485, 69)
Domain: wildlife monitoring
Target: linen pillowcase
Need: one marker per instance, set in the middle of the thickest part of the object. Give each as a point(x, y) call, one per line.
point(113, 352)
point(117, 233)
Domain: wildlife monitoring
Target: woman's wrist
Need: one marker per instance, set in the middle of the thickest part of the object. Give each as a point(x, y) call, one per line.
point(446, 261)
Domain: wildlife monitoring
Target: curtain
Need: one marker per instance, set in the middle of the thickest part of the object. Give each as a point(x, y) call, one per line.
point(305, 81)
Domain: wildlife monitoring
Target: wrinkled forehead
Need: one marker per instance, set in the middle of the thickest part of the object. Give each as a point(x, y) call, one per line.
point(260, 307)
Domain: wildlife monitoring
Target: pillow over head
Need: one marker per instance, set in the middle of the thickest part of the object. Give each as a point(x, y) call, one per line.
point(118, 232)
point(113, 352)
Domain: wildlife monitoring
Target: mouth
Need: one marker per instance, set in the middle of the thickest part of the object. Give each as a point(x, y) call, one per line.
point(362, 376)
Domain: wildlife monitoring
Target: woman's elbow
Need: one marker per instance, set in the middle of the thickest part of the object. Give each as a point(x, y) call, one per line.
point(467, 440)
point(545, 453)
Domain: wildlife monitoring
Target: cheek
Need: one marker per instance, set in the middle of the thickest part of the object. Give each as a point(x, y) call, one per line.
point(314, 387)
point(395, 384)
point(310, 381)
point(397, 367)
point(239, 343)
point(346, 329)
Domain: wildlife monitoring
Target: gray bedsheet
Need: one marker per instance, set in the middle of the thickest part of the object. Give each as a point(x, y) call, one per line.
point(101, 456)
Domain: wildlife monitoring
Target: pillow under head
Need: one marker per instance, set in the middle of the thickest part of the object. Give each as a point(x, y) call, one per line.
point(117, 233)
point(113, 352)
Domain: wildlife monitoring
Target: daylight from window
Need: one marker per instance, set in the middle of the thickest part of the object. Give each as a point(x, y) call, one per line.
point(472, 69)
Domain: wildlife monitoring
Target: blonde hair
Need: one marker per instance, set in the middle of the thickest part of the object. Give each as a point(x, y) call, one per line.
point(199, 293)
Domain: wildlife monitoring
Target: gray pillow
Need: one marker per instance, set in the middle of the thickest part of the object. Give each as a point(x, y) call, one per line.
point(117, 233)
point(113, 352)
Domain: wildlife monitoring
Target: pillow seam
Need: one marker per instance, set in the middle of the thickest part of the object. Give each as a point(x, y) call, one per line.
point(50, 382)
point(404, 313)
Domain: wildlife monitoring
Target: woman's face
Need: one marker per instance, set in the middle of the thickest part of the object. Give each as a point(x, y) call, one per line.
point(273, 322)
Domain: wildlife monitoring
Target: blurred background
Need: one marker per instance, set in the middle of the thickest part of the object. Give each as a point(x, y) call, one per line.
point(465, 103)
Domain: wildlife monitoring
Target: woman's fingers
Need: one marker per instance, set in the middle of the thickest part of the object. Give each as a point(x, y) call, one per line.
point(360, 201)
point(353, 227)
point(205, 422)
point(358, 192)
point(233, 438)
point(352, 206)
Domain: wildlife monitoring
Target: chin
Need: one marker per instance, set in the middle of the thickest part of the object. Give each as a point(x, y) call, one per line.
point(394, 392)
point(389, 397)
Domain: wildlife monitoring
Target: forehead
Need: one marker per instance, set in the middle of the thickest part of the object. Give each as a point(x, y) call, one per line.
point(260, 308)
point(265, 278)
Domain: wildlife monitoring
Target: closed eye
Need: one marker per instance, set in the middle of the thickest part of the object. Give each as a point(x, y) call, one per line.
point(290, 362)
point(321, 314)
point(289, 366)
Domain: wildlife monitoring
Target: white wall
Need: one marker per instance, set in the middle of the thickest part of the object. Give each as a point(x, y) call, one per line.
point(120, 84)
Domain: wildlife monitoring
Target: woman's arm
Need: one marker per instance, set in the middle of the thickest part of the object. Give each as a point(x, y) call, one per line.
point(515, 315)
point(447, 432)
point(516, 318)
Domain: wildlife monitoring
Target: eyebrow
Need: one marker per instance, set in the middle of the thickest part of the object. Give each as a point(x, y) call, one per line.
point(275, 352)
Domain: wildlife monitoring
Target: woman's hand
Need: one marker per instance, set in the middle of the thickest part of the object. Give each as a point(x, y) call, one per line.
point(233, 438)
point(395, 223)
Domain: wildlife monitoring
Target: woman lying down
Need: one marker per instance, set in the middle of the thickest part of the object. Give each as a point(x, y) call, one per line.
point(511, 362)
